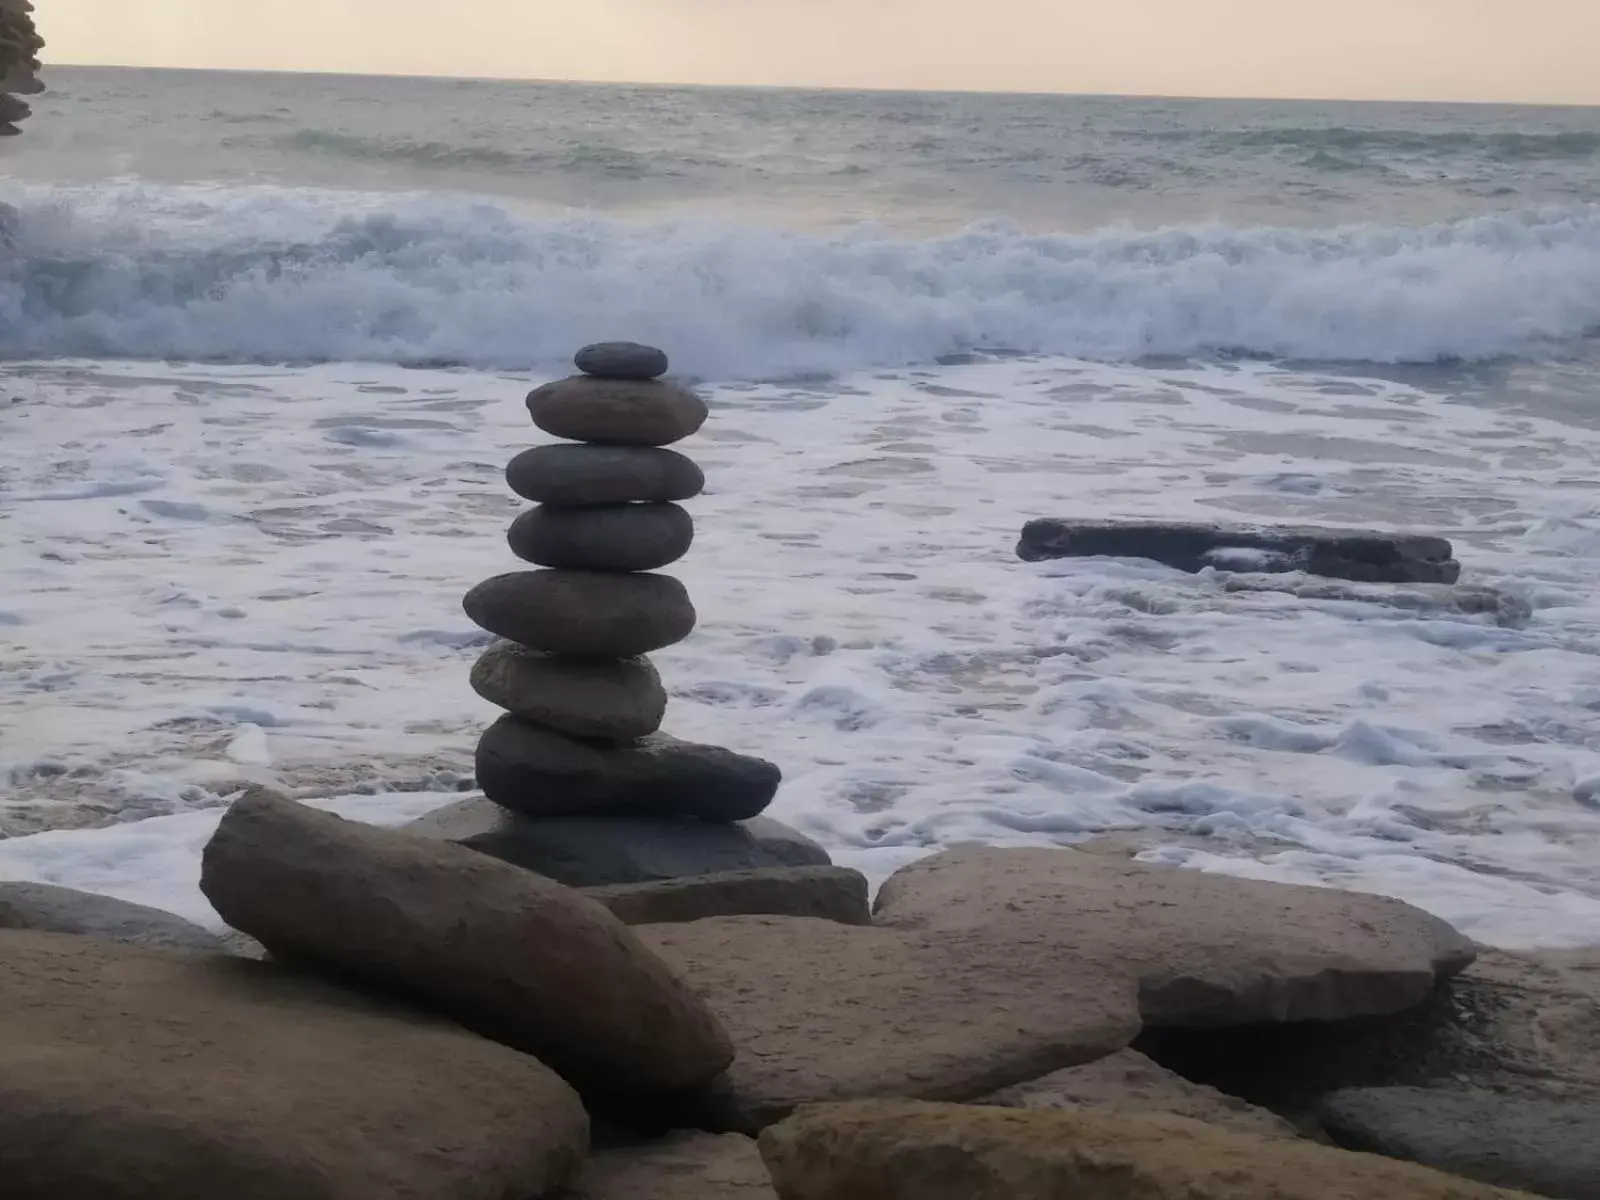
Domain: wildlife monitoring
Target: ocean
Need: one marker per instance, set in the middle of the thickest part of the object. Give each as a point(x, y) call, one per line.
point(264, 341)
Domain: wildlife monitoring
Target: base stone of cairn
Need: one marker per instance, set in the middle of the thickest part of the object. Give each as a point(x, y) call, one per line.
point(584, 704)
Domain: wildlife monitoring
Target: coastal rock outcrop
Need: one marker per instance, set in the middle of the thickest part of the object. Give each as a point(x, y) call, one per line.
point(20, 44)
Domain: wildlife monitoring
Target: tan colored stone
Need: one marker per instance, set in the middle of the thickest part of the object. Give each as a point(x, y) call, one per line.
point(128, 1073)
point(1128, 1080)
point(889, 1150)
point(1209, 949)
point(512, 955)
point(824, 1011)
point(686, 1166)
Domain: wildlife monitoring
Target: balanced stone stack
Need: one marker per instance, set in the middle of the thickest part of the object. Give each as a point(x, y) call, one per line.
point(584, 704)
point(19, 62)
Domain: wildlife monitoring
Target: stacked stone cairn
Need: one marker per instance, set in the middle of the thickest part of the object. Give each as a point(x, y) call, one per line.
point(19, 63)
point(584, 705)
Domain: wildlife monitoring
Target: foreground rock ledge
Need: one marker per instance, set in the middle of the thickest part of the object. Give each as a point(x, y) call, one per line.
point(1209, 950)
point(128, 1073)
point(889, 1150)
point(1363, 556)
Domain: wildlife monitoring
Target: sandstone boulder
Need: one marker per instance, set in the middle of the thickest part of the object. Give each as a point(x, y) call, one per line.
point(685, 1166)
point(507, 953)
point(827, 893)
point(48, 909)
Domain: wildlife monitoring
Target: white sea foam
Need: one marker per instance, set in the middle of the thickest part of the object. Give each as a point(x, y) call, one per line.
point(272, 275)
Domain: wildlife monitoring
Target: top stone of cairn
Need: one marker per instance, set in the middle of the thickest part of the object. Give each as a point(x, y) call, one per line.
point(621, 360)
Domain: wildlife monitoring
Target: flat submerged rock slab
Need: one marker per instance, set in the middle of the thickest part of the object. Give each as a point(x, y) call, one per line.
point(128, 1073)
point(1424, 598)
point(1543, 1146)
point(827, 893)
point(603, 851)
point(1209, 950)
point(898, 1151)
point(823, 1011)
point(1363, 556)
point(48, 909)
point(685, 1166)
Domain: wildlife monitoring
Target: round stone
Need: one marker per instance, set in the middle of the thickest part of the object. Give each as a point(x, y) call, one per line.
point(573, 475)
point(606, 537)
point(616, 412)
point(618, 699)
point(584, 613)
point(621, 360)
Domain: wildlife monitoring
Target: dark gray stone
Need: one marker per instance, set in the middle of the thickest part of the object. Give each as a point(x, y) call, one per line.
point(606, 537)
point(589, 614)
point(827, 893)
point(619, 698)
point(1544, 1146)
point(599, 851)
point(616, 412)
point(546, 774)
point(1366, 557)
point(577, 475)
point(49, 909)
point(621, 360)
point(1465, 599)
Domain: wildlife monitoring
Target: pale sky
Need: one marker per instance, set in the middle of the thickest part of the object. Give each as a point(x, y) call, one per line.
point(1505, 50)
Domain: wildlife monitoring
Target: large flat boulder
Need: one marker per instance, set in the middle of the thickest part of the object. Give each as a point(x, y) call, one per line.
point(824, 1011)
point(685, 1166)
point(1426, 599)
point(1545, 1146)
point(1365, 556)
point(885, 1150)
point(509, 954)
point(600, 851)
point(1130, 1081)
point(49, 909)
point(128, 1073)
point(1209, 950)
point(829, 893)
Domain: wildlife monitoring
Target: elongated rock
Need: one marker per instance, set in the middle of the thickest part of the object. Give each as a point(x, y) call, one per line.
point(572, 475)
point(609, 537)
point(515, 957)
point(616, 412)
point(544, 774)
point(618, 698)
point(621, 360)
point(589, 614)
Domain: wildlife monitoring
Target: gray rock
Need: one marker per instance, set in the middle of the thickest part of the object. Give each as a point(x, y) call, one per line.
point(577, 475)
point(621, 360)
point(541, 773)
point(616, 412)
point(510, 955)
point(620, 698)
point(130, 1073)
point(604, 537)
point(827, 893)
point(48, 909)
point(584, 613)
point(1364, 556)
point(598, 851)
point(683, 1166)
point(1464, 599)
point(1543, 1146)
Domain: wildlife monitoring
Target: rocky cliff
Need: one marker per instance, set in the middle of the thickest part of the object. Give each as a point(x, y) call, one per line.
point(19, 62)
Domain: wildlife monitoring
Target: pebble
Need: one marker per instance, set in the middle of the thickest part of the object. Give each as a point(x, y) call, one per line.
point(618, 699)
point(621, 360)
point(616, 411)
point(585, 613)
point(608, 537)
point(577, 475)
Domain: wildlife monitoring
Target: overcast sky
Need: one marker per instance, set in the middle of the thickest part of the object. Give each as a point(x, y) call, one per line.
point(1530, 50)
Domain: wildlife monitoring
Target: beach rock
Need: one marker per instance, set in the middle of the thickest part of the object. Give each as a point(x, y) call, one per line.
point(827, 893)
point(13, 109)
point(621, 360)
point(1364, 556)
point(1210, 950)
point(894, 1150)
point(128, 1073)
point(607, 537)
point(583, 613)
point(1128, 1080)
point(49, 909)
point(824, 1011)
point(577, 475)
point(616, 412)
point(619, 698)
point(1427, 598)
point(541, 773)
point(1548, 1147)
point(601, 851)
point(684, 1166)
point(515, 957)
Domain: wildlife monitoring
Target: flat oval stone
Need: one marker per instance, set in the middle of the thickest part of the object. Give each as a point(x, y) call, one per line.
point(621, 360)
point(588, 614)
point(574, 475)
point(616, 698)
point(616, 412)
point(607, 537)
